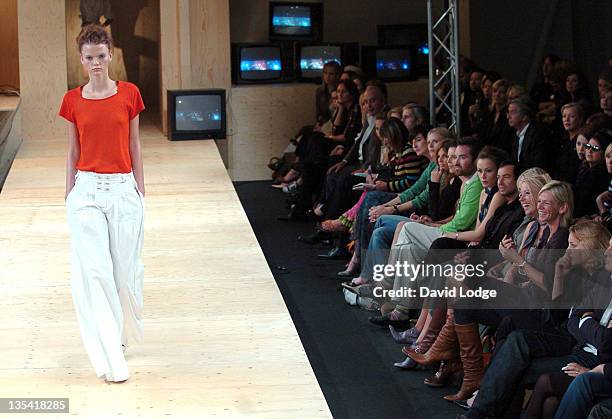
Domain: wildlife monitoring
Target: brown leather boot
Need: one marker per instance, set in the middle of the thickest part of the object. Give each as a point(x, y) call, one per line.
point(444, 348)
point(470, 349)
point(424, 345)
point(445, 373)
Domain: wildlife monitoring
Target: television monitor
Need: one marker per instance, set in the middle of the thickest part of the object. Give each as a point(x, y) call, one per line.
point(196, 114)
point(261, 63)
point(295, 21)
point(415, 35)
point(312, 57)
point(389, 63)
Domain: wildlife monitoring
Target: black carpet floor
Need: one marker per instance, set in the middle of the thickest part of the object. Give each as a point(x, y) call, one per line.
point(352, 359)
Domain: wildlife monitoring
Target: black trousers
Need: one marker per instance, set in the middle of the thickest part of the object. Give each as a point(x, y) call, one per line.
point(522, 358)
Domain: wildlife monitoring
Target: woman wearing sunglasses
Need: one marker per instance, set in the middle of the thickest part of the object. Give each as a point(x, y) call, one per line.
point(593, 178)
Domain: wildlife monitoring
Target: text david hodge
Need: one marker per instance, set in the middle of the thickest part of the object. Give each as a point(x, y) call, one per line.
point(453, 292)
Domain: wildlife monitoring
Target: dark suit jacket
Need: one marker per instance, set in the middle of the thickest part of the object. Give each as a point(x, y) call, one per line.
point(371, 150)
point(537, 148)
point(591, 331)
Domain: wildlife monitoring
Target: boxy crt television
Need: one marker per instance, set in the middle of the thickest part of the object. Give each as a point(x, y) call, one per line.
point(389, 63)
point(261, 63)
point(196, 114)
point(295, 21)
point(312, 57)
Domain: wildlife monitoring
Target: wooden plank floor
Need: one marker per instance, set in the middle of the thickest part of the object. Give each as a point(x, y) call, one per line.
point(219, 341)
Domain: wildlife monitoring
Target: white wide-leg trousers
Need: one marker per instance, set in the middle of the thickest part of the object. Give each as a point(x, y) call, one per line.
point(106, 218)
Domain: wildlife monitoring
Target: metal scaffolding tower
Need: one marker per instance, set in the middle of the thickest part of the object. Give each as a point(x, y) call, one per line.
point(443, 32)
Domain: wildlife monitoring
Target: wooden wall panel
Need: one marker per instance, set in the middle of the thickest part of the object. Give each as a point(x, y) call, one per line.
point(42, 65)
point(9, 45)
point(264, 118)
point(210, 43)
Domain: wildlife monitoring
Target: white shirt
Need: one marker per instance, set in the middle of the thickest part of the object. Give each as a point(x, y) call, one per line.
point(521, 138)
point(366, 134)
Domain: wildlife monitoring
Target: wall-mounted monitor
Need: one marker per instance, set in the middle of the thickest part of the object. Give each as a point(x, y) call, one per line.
point(388, 63)
point(415, 35)
point(296, 21)
point(196, 114)
point(261, 63)
point(312, 57)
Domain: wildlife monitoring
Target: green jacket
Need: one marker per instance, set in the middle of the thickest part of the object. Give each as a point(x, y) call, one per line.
point(467, 210)
point(419, 187)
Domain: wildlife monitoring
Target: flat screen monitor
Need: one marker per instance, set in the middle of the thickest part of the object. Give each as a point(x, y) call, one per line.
point(313, 58)
point(295, 21)
point(196, 114)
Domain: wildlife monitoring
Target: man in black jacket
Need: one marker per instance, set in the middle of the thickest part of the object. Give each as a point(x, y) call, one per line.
point(525, 355)
point(532, 146)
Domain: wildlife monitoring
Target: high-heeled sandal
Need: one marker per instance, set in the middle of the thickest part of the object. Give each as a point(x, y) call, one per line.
point(333, 226)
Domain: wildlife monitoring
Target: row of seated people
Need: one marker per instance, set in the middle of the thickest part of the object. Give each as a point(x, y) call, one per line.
point(424, 193)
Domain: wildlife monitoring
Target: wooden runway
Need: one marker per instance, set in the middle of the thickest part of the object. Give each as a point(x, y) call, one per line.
point(219, 341)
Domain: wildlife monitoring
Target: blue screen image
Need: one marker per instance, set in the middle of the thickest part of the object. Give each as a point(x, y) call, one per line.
point(260, 65)
point(198, 112)
point(393, 63)
point(291, 20)
point(314, 57)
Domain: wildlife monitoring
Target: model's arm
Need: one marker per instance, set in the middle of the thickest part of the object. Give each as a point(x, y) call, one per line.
point(74, 152)
point(135, 153)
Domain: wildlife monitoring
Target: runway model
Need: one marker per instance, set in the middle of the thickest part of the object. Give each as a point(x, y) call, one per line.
point(105, 205)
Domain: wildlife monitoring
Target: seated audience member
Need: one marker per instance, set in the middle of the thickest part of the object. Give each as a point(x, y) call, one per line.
point(527, 287)
point(526, 354)
point(414, 239)
point(444, 187)
point(471, 96)
point(604, 82)
point(479, 110)
point(314, 151)
point(494, 129)
point(504, 222)
point(578, 91)
point(395, 112)
point(531, 145)
point(584, 260)
point(331, 74)
point(337, 195)
point(424, 148)
point(593, 178)
point(567, 159)
point(604, 200)
point(589, 387)
point(405, 168)
point(542, 90)
point(516, 91)
point(413, 116)
point(606, 102)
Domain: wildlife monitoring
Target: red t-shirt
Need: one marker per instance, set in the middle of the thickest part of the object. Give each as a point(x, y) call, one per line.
point(103, 127)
